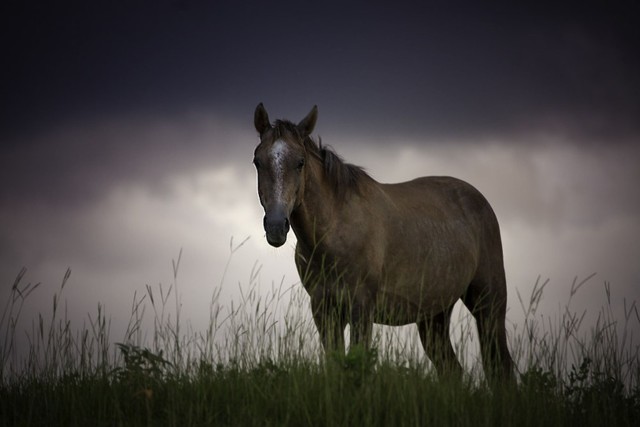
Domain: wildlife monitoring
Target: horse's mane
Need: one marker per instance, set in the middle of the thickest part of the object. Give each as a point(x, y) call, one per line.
point(344, 176)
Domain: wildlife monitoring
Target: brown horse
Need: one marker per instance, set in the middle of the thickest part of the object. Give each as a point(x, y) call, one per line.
point(386, 253)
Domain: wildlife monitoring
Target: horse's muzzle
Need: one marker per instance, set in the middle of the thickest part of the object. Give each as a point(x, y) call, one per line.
point(276, 226)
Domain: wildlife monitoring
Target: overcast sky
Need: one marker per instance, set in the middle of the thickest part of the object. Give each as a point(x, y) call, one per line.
point(126, 133)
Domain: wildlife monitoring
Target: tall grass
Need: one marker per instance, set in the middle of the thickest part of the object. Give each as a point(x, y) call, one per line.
point(259, 362)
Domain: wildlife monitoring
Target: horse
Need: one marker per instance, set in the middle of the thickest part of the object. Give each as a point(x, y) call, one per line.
point(391, 254)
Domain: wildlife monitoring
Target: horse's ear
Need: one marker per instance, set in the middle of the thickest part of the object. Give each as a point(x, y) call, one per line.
point(306, 125)
point(261, 119)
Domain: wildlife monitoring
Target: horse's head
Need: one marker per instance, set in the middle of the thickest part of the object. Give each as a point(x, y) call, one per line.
point(280, 161)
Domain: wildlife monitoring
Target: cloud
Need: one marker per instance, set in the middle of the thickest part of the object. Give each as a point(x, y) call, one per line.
point(385, 68)
point(158, 186)
point(118, 148)
point(77, 162)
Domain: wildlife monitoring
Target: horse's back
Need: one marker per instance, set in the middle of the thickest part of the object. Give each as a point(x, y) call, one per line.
point(439, 197)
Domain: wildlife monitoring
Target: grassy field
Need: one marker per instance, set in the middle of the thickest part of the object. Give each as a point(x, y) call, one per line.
point(251, 367)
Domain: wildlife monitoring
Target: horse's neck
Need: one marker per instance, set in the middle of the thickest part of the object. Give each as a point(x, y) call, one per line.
point(315, 217)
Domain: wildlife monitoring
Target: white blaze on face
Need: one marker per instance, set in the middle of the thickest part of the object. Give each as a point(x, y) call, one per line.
point(277, 155)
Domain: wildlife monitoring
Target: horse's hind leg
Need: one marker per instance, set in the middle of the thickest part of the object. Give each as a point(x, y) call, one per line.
point(488, 304)
point(434, 334)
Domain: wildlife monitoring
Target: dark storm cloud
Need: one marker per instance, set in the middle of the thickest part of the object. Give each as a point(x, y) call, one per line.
point(392, 67)
point(126, 128)
point(75, 165)
point(98, 93)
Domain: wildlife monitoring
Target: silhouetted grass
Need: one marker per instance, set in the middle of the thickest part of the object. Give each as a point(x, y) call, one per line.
point(259, 363)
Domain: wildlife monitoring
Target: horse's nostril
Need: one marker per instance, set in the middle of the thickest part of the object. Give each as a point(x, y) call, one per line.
point(276, 223)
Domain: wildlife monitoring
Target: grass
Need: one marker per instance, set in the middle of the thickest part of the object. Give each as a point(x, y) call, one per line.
point(259, 363)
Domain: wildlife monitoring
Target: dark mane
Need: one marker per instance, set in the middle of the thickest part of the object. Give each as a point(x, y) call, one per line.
point(344, 176)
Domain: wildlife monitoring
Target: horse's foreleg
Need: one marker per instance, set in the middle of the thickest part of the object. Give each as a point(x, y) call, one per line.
point(361, 326)
point(330, 323)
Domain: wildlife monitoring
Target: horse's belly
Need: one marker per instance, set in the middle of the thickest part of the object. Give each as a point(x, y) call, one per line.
point(409, 299)
point(398, 310)
point(428, 274)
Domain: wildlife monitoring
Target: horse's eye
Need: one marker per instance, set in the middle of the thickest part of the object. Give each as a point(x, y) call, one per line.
point(256, 162)
point(300, 164)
